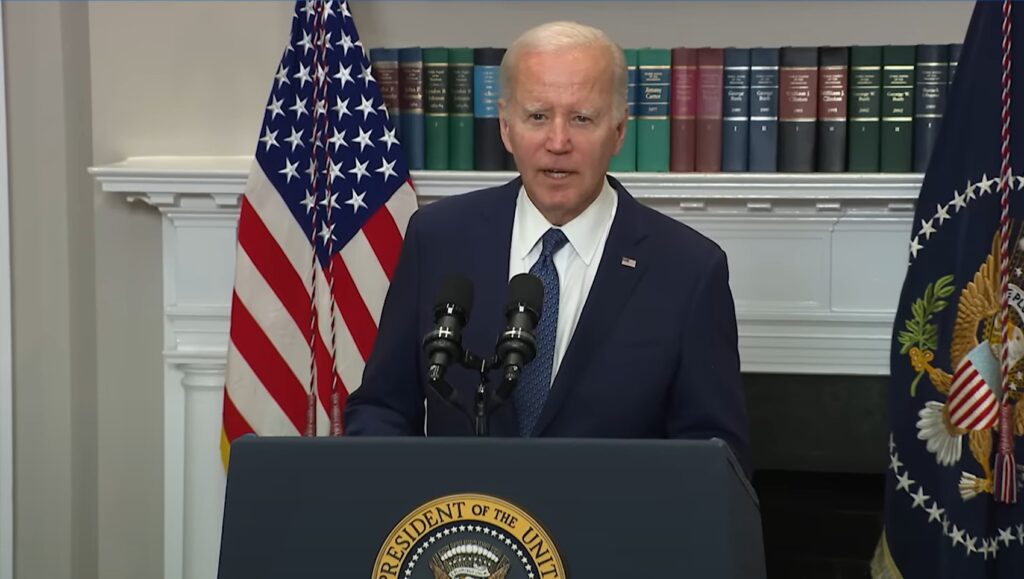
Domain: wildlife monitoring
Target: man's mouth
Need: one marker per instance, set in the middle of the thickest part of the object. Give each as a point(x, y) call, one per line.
point(556, 173)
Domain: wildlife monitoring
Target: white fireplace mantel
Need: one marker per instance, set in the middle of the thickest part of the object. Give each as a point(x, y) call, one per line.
point(816, 264)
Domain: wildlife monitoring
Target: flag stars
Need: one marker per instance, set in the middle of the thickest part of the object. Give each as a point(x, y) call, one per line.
point(363, 139)
point(959, 201)
point(344, 9)
point(915, 247)
point(299, 108)
point(295, 140)
point(894, 462)
point(320, 108)
point(1006, 536)
point(309, 202)
point(986, 184)
point(366, 107)
point(387, 169)
point(346, 42)
point(344, 75)
point(330, 201)
point(903, 482)
point(303, 75)
point(334, 170)
point(341, 107)
point(269, 139)
point(356, 202)
point(926, 229)
point(367, 75)
point(389, 138)
point(290, 170)
point(971, 544)
point(326, 233)
point(282, 75)
point(360, 170)
point(941, 213)
point(275, 107)
point(935, 513)
point(306, 43)
point(957, 536)
point(1020, 533)
point(337, 139)
point(919, 498)
point(1020, 183)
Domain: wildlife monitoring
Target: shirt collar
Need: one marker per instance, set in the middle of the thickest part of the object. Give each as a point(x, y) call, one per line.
point(584, 232)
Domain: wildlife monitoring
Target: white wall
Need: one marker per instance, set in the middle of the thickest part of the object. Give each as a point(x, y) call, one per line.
point(6, 398)
point(122, 79)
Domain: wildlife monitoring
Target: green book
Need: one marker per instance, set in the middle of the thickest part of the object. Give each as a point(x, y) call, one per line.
point(652, 124)
point(897, 140)
point(460, 109)
point(865, 109)
point(435, 107)
point(625, 160)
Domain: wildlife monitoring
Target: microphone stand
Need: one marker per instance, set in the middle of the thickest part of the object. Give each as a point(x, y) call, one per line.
point(484, 401)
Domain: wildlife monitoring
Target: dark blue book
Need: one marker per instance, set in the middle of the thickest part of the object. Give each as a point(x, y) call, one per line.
point(735, 108)
point(764, 110)
point(410, 70)
point(930, 87)
point(490, 152)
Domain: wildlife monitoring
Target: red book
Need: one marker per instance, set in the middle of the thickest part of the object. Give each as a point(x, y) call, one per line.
point(683, 133)
point(709, 110)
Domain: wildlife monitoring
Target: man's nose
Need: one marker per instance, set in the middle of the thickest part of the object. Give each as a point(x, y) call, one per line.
point(559, 139)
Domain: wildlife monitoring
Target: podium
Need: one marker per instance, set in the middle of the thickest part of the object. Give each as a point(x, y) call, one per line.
point(458, 508)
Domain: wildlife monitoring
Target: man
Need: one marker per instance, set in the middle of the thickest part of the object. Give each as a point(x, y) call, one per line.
point(638, 333)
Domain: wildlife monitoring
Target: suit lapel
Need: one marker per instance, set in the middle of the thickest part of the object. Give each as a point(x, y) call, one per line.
point(612, 287)
point(491, 247)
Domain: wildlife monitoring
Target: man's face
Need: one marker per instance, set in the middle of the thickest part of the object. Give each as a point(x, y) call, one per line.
point(560, 126)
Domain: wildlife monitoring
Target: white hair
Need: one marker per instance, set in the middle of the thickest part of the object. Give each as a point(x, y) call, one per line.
point(555, 36)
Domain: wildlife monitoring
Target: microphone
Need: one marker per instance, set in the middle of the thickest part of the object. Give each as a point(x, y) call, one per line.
point(443, 345)
point(517, 346)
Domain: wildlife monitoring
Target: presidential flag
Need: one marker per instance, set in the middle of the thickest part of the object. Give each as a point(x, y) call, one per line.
point(319, 232)
point(953, 506)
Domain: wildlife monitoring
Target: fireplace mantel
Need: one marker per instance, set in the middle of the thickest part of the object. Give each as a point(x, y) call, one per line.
point(816, 264)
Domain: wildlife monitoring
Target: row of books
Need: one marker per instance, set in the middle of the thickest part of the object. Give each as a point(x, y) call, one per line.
point(790, 109)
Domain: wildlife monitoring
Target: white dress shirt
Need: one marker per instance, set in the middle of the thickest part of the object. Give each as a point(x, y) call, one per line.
point(576, 262)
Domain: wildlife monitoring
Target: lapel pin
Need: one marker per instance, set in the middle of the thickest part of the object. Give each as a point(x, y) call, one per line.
point(629, 262)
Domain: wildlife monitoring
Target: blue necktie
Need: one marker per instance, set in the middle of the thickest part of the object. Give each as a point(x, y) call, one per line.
point(535, 381)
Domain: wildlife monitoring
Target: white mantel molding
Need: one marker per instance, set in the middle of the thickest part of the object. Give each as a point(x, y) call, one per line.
point(816, 264)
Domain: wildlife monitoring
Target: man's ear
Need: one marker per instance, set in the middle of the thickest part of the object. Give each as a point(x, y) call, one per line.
point(620, 130)
point(503, 123)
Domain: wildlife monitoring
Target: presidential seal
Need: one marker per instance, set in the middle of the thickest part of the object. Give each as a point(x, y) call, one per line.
point(468, 536)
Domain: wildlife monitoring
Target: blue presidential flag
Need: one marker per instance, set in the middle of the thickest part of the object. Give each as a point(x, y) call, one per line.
point(952, 475)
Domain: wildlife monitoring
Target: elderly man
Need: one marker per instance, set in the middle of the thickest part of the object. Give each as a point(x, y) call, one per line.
point(638, 333)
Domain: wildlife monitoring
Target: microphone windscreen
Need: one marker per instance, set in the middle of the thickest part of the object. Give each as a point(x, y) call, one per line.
point(456, 290)
point(526, 289)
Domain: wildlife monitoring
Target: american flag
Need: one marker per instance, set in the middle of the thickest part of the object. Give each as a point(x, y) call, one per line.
point(322, 221)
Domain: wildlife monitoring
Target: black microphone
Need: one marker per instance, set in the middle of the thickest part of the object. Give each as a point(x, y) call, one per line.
point(517, 345)
point(443, 345)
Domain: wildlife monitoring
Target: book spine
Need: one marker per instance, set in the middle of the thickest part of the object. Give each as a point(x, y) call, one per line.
point(410, 68)
point(652, 152)
point(735, 109)
point(435, 105)
point(833, 70)
point(683, 130)
point(490, 151)
point(764, 109)
point(460, 114)
point(384, 62)
point(710, 64)
point(865, 109)
point(930, 86)
point(798, 108)
point(897, 139)
point(625, 159)
point(954, 58)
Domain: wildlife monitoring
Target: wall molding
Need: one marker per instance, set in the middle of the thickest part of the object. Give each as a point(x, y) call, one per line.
point(816, 264)
point(6, 347)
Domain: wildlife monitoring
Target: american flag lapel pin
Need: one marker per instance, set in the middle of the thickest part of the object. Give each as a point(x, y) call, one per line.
point(629, 262)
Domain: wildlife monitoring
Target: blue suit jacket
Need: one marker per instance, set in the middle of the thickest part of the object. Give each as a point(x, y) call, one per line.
point(654, 354)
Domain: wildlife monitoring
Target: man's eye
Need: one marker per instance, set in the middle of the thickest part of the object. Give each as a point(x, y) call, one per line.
point(581, 119)
point(537, 117)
